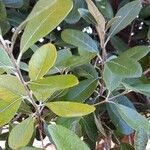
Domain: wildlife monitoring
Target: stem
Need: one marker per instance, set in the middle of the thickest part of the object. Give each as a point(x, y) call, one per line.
point(41, 136)
point(18, 73)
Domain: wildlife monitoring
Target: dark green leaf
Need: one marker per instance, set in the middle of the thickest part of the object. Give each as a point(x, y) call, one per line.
point(13, 3)
point(136, 52)
point(132, 118)
point(140, 139)
point(85, 14)
point(82, 40)
point(125, 15)
point(74, 16)
point(111, 80)
point(82, 91)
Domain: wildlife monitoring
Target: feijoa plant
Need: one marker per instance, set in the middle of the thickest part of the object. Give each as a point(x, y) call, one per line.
point(74, 85)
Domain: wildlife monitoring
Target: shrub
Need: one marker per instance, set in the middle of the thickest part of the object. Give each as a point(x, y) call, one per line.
point(73, 69)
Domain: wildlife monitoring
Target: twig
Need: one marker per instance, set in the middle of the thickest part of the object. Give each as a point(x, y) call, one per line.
point(18, 74)
point(130, 36)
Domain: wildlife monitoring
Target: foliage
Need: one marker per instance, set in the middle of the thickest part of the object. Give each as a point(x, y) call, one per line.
point(60, 81)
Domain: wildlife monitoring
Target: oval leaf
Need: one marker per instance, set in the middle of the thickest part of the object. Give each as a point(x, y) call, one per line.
point(41, 61)
point(43, 88)
point(21, 134)
point(140, 139)
point(111, 80)
point(8, 108)
point(47, 19)
point(70, 109)
point(125, 15)
point(133, 118)
point(11, 84)
point(82, 40)
point(136, 52)
point(82, 91)
point(125, 68)
point(65, 139)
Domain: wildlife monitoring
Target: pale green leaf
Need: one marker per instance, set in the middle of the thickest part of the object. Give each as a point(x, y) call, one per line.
point(140, 139)
point(81, 40)
point(65, 139)
point(46, 20)
point(136, 52)
point(8, 108)
point(12, 84)
point(125, 15)
point(41, 61)
point(21, 134)
point(125, 67)
point(70, 109)
point(5, 61)
point(43, 88)
point(133, 118)
point(111, 80)
point(82, 91)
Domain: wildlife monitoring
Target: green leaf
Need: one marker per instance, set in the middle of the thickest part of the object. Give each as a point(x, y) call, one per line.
point(125, 68)
point(13, 3)
point(43, 88)
point(136, 52)
point(133, 118)
point(3, 14)
point(87, 71)
point(74, 16)
point(46, 20)
point(68, 62)
point(116, 118)
point(5, 61)
point(82, 91)
point(69, 123)
point(111, 80)
point(65, 139)
point(99, 126)
point(41, 61)
point(125, 15)
point(90, 127)
point(70, 109)
point(82, 40)
point(140, 88)
point(105, 8)
point(140, 139)
point(8, 108)
point(21, 134)
point(118, 44)
point(85, 14)
point(12, 84)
